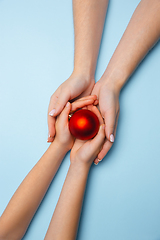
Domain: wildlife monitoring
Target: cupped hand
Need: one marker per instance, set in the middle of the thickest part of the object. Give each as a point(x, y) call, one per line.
point(63, 135)
point(76, 86)
point(108, 96)
point(86, 151)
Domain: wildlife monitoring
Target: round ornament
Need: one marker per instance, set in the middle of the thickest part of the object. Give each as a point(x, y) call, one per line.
point(84, 124)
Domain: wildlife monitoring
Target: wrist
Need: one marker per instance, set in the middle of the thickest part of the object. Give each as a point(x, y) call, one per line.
point(86, 73)
point(110, 84)
point(60, 148)
point(80, 167)
point(115, 79)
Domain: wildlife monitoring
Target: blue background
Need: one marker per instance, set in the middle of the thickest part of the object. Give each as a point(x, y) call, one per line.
point(122, 199)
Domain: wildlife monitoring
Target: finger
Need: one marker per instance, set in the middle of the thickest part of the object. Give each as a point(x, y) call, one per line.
point(51, 128)
point(51, 120)
point(96, 89)
point(53, 101)
point(63, 117)
point(60, 104)
point(84, 98)
point(96, 102)
point(83, 102)
point(115, 129)
point(110, 119)
point(96, 111)
point(96, 161)
point(97, 142)
point(106, 147)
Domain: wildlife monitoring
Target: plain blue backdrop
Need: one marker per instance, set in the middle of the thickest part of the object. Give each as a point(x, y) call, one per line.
point(122, 199)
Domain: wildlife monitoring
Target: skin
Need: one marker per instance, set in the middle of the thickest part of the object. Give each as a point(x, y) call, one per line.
point(89, 16)
point(141, 34)
point(25, 201)
point(64, 222)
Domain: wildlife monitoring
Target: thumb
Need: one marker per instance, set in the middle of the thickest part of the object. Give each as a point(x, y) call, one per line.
point(98, 140)
point(110, 119)
point(96, 89)
point(63, 117)
point(51, 128)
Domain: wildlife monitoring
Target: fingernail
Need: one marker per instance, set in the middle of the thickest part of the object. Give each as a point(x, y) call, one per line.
point(51, 140)
point(99, 160)
point(67, 105)
point(52, 112)
point(102, 126)
point(111, 138)
point(95, 163)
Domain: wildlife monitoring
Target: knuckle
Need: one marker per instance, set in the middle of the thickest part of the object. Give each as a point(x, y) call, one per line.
point(53, 97)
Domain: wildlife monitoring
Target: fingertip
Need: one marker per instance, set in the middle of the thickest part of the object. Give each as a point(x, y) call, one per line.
point(50, 139)
point(99, 160)
point(102, 128)
point(96, 102)
point(100, 133)
point(68, 104)
point(96, 161)
point(110, 125)
point(52, 112)
point(111, 138)
point(65, 113)
point(100, 137)
point(55, 112)
point(95, 96)
point(68, 107)
point(109, 134)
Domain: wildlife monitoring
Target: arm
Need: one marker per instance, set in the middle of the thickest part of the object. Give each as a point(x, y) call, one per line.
point(21, 208)
point(24, 203)
point(89, 19)
point(142, 32)
point(66, 215)
point(65, 219)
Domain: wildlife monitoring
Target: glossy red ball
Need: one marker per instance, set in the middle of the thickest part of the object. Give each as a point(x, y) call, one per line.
point(84, 124)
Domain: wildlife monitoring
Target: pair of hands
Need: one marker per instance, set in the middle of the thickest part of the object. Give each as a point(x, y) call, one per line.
point(83, 152)
point(77, 86)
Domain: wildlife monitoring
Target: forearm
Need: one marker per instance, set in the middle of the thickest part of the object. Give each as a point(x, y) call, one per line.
point(142, 32)
point(21, 208)
point(89, 17)
point(65, 219)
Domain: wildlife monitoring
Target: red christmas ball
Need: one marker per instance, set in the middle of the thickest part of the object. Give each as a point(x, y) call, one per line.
point(84, 124)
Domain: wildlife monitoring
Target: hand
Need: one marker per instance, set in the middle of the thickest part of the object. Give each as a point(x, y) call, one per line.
point(108, 96)
point(76, 86)
point(63, 136)
point(86, 151)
